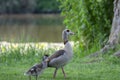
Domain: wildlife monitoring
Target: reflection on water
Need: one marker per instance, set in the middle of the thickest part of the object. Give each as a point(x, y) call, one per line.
point(31, 28)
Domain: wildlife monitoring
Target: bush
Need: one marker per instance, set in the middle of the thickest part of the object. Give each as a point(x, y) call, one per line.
point(90, 19)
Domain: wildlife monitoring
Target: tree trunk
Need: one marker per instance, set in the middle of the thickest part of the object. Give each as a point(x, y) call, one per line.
point(114, 38)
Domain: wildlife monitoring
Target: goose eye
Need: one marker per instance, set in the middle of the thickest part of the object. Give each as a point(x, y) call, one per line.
point(68, 30)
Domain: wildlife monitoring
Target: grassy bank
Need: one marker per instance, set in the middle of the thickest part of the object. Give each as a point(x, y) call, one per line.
point(15, 60)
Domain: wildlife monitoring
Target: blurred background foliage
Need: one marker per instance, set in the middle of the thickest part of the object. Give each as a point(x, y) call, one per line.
point(28, 6)
point(91, 19)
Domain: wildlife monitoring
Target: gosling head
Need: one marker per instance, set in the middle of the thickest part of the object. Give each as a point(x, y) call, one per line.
point(45, 57)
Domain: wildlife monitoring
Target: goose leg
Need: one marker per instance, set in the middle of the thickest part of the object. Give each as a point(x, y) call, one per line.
point(55, 73)
point(36, 77)
point(29, 77)
point(63, 72)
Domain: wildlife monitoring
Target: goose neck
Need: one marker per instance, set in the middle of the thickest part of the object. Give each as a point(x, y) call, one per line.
point(65, 42)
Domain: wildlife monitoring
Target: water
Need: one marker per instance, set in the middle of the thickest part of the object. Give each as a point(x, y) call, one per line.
point(31, 28)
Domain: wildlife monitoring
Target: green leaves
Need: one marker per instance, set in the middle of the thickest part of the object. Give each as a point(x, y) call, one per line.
point(90, 19)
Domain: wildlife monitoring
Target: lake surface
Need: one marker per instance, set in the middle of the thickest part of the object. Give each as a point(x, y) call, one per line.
point(31, 28)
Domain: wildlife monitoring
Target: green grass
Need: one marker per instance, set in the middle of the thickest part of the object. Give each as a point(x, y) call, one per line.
point(15, 61)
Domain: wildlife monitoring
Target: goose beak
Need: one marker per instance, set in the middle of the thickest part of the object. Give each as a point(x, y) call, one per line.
point(71, 33)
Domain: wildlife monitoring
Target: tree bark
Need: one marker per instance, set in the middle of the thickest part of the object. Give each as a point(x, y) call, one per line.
point(114, 38)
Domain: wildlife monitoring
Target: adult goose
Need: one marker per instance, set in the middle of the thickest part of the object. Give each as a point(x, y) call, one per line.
point(61, 57)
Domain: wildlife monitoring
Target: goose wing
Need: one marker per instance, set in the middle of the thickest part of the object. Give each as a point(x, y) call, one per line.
point(57, 59)
point(36, 69)
point(57, 54)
